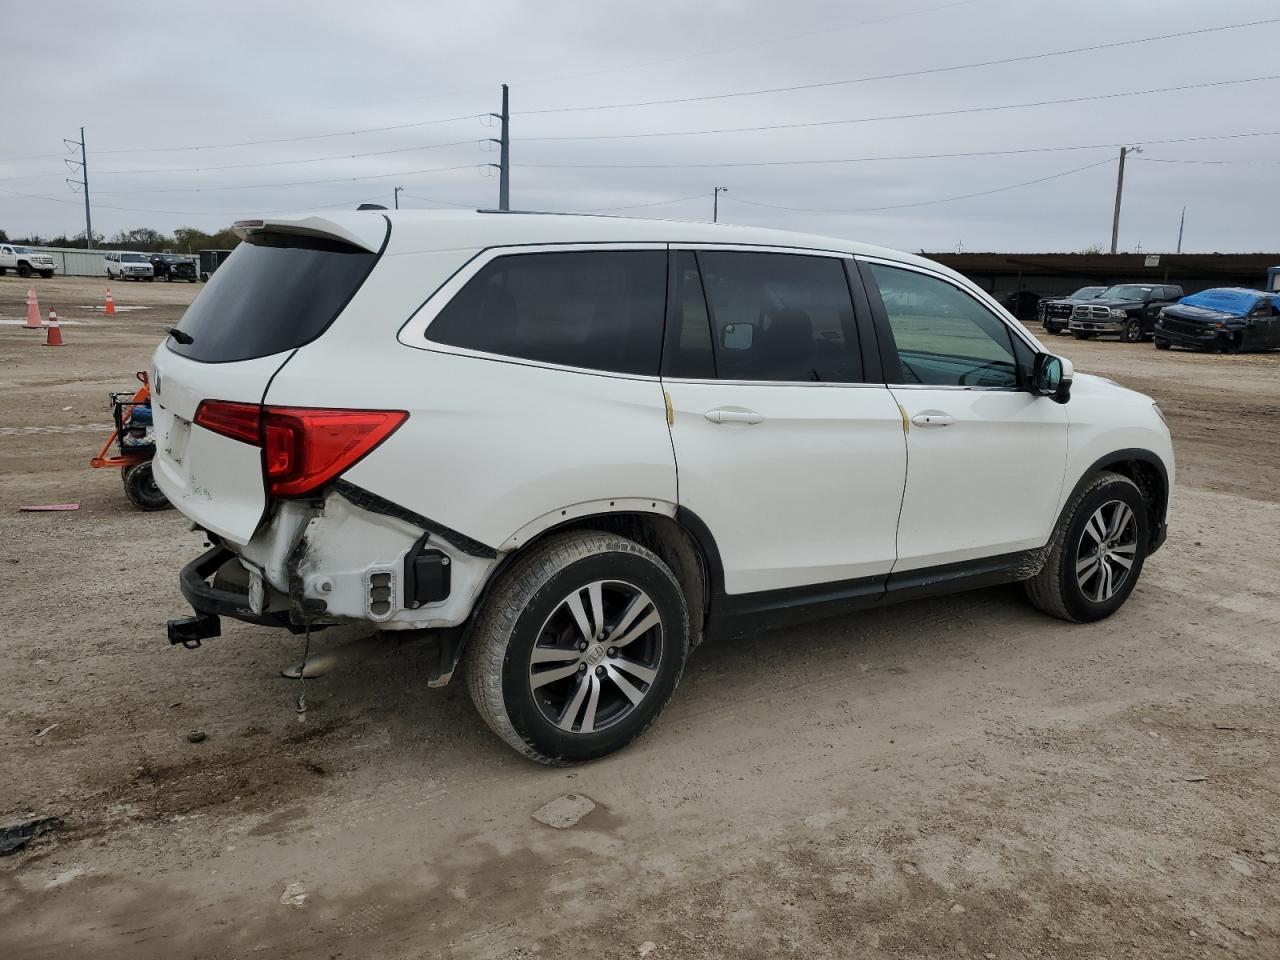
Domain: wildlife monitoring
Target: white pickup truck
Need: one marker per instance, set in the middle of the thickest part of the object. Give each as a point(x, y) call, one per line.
point(25, 261)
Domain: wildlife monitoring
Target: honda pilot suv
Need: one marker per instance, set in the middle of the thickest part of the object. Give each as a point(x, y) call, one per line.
point(576, 447)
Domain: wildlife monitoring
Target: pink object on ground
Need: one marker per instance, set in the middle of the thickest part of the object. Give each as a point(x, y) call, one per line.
point(45, 507)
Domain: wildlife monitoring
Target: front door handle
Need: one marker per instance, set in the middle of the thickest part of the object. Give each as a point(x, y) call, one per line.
point(733, 415)
point(933, 420)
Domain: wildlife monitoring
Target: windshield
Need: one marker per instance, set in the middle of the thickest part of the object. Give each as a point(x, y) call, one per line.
point(1087, 293)
point(21, 250)
point(1127, 291)
point(133, 258)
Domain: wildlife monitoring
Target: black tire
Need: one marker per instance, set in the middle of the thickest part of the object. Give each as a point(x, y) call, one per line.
point(1132, 332)
point(24, 270)
point(1057, 589)
point(47, 274)
point(522, 610)
point(3, 271)
point(1081, 336)
point(140, 487)
point(1163, 344)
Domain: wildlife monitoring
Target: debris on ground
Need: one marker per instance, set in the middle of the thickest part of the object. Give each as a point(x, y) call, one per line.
point(564, 811)
point(48, 507)
point(41, 733)
point(295, 895)
point(1224, 726)
point(15, 836)
point(197, 736)
point(1197, 778)
point(646, 948)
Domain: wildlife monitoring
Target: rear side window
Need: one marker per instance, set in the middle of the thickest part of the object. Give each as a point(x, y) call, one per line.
point(274, 293)
point(597, 309)
point(780, 317)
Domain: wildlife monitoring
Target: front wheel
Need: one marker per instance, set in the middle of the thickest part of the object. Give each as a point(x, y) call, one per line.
point(1162, 344)
point(1097, 552)
point(141, 489)
point(24, 270)
point(578, 647)
point(47, 274)
point(1081, 336)
point(1132, 332)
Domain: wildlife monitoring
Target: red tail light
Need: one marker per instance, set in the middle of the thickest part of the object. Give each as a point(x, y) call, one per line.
point(303, 448)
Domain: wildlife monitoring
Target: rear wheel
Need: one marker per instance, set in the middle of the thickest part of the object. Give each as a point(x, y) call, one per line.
point(1097, 552)
point(141, 489)
point(578, 647)
point(1162, 344)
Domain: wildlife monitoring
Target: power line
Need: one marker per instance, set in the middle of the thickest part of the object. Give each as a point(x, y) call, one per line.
point(1212, 162)
point(232, 212)
point(314, 136)
point(906, 73)
point(652, 203)
point(295, 183)
point(895, 157)
point(902, 116)
point(265, 163)
point(925, 203)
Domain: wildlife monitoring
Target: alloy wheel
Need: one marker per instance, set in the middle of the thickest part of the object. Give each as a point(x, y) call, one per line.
point(1108, 547)
point(596, 657)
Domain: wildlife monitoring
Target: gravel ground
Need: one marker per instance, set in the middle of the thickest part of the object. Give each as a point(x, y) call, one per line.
point(957, 777)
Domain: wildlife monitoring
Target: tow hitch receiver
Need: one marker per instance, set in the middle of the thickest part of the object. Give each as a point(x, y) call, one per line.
point(189, 631)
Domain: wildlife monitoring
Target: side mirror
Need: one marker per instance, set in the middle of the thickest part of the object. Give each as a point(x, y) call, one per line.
point(1051, 377)
point(737, 336)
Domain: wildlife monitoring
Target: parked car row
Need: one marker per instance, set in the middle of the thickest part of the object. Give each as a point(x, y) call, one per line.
point(130, 265)
point(1225, 319)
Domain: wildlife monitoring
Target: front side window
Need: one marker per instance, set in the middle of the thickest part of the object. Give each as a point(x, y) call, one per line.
point(780, 317)
point(596, 309)
point(944, 336)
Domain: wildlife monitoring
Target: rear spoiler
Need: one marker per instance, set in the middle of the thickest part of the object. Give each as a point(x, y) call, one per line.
point(366, 231)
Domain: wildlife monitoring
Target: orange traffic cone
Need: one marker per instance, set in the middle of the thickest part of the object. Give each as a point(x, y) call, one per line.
point(110, 309)
point(55, 332)
point(33, 309)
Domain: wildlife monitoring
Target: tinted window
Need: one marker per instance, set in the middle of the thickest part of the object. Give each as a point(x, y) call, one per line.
point(780, 317)
point(688, 351)
point(274, 293)
point(601, 310)
point(943, 335)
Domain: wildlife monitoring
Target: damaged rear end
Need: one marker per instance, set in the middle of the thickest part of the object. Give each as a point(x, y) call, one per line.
point(291, 544)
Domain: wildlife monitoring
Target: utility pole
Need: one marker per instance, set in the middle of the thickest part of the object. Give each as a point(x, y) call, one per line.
point(1181, 223)
point(504, 154)
point(1115, 219)
point(397, 200)
point(83, 183)
point(715, 203)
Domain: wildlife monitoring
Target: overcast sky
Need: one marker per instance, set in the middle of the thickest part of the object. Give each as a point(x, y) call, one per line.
point(145, 76)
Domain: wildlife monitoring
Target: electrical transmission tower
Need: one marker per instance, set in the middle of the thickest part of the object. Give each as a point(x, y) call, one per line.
point(83, 183)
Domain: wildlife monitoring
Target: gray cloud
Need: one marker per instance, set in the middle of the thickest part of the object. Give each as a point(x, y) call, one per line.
point(150, 75)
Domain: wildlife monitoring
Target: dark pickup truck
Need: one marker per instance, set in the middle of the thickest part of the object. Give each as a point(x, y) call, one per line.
point(1225, 319)
point(171, 267)
point(1055, 314)
point(1128, 310)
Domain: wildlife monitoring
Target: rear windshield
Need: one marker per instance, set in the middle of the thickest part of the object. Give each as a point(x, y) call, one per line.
point(274, 293)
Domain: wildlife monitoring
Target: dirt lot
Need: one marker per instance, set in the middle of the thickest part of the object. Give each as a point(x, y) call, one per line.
point(959, 777)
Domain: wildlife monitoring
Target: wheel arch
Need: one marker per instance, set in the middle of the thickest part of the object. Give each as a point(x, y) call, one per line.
point(1149, 474)
point(682, 541)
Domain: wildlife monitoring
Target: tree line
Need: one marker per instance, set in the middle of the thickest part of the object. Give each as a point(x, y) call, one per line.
point(182, 240)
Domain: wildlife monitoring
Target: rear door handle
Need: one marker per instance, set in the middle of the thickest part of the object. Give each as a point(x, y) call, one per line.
point(733, 415)
point(933, 420)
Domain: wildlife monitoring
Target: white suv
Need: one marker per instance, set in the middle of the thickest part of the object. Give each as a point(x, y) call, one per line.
point(575, 447)
point(123, 265)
